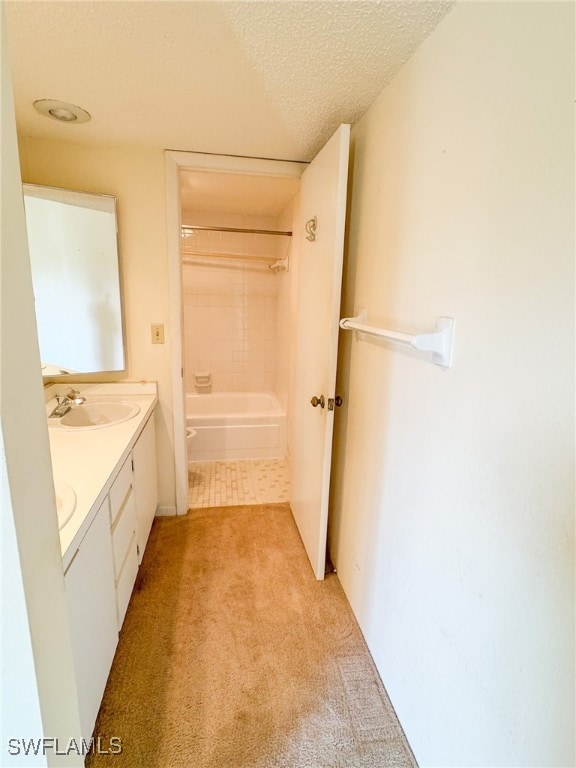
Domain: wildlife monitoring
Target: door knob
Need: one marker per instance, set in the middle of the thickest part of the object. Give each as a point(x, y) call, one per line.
point(318, 401)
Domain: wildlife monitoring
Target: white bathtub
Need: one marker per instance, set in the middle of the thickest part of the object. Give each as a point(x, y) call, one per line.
point(231, 426)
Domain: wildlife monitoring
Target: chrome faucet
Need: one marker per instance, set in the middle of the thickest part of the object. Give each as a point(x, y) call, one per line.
point(73, 397)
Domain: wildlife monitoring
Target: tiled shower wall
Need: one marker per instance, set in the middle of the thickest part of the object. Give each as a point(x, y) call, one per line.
point(230, 317)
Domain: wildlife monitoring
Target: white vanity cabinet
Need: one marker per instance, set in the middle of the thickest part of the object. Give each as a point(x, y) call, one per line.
point(99, 576)
point(145, 483)
point(91, 598)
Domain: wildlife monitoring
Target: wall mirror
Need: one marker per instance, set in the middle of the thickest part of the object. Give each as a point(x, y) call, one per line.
point(73, 244)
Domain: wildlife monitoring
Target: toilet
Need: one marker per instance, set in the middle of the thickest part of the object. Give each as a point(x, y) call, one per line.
point(190, 435)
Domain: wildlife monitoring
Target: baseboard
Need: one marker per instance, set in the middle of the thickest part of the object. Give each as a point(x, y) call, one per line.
point(166, 511)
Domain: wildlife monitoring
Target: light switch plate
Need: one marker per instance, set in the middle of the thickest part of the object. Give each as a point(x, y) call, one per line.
point(157, 333)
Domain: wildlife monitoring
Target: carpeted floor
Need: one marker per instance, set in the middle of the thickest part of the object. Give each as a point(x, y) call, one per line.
point(233, 656)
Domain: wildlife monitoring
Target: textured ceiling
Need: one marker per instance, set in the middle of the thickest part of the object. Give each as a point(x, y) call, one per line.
point(270, 78)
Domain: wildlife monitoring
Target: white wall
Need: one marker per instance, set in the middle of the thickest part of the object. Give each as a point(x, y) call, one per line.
point(38, 685)
point(20, 715)
point(453, 492)
point(136, 177)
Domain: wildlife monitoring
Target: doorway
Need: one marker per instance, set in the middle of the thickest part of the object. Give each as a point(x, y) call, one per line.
point(230, 313)
point(314, 265)
point(236, 244)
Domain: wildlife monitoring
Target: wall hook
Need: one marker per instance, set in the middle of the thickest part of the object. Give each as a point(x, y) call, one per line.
point(311, 229)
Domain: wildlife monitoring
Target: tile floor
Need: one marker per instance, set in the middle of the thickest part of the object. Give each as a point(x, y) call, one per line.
point(235, 483)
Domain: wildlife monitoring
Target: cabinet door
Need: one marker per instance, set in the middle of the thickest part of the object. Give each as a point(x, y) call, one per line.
point(91, 599)
point(145, 483)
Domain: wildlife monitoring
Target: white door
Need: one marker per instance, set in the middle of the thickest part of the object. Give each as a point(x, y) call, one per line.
point(320, 231)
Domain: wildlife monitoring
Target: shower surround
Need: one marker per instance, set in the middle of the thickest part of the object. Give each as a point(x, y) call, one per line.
point(230, 317)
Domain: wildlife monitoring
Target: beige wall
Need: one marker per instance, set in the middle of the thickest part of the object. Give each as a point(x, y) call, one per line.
point(452, 527)
point(136, 178)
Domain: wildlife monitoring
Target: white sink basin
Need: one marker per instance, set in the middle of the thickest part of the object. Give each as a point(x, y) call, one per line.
point(94, 415)
point(65, 502)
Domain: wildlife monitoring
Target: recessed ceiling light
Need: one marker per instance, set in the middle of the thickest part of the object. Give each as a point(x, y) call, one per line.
point(61, 111)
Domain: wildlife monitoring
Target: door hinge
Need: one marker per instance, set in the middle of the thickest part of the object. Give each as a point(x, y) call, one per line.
point(132, 465)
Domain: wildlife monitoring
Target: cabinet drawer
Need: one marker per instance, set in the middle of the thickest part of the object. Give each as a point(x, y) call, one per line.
point(126, 580)
point(119, 489)
point(122, 531)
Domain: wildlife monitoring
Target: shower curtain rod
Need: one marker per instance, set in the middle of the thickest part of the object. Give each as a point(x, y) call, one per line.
point(189, 256)
point(195, 228)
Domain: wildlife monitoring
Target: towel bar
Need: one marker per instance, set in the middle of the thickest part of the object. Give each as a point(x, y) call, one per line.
point(439, 342)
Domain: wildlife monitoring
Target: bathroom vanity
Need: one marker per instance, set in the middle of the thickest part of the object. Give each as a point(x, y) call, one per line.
point(111, 469)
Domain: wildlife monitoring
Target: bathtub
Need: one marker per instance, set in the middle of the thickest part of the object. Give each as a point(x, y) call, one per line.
point(231, 426)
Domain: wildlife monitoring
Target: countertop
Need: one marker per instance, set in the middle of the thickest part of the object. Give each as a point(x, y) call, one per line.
point(88, 460)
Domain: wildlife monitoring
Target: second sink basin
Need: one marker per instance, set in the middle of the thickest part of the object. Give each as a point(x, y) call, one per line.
point(65, 502)
point(93, 415)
